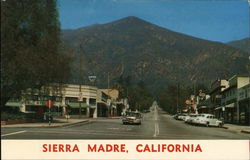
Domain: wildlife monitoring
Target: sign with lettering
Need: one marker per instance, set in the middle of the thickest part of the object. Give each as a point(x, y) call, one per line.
point(49, 103)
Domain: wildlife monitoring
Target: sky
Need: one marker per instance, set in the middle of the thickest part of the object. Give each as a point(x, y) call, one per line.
point(215, 20)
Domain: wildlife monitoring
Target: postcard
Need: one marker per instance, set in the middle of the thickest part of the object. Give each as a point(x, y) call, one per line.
point(125, 79)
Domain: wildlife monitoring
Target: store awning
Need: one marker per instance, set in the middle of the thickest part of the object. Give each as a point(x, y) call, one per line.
point(103, 103)
point(202, 107)
point(217, 108)
point(76, 105)
point(231, 105)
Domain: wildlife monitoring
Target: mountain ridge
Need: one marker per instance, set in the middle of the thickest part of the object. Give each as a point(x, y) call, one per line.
point(144, 51)
point(243, 44)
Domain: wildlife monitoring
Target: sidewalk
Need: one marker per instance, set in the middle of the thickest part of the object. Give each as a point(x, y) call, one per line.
point(57, 122)
point(237, 128)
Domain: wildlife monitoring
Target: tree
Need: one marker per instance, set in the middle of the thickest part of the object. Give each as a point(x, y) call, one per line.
point(30, 55)
point(138, 95)
point(168, 97)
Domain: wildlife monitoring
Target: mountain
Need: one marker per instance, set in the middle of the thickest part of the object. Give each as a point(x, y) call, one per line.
point(243, 44)
point(144, 51)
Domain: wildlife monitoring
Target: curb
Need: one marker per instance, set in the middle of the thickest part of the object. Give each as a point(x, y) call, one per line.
point(244, 131)
point(46, 126)
point(65, 125)
point(114, 117)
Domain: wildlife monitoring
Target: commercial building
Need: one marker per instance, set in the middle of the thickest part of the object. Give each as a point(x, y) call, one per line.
point(227, 99)
point(70, 99)
point(216, 89)
point(244, 104)
point(109, 104)
point(230, 98)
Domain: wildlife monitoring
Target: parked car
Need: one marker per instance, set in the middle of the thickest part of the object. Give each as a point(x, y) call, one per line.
point(191, 119)
point(180, 116)
point(209, 120)
point(132, 118)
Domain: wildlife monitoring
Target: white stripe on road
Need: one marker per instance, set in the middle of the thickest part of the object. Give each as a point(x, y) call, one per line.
point(157, 131)
point(13, 133)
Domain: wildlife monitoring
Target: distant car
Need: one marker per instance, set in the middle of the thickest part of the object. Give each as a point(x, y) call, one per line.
point(209, 120)
point(146, 111)
point(132, 118)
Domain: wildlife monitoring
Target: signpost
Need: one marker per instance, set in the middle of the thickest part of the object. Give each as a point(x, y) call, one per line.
point(49, 104)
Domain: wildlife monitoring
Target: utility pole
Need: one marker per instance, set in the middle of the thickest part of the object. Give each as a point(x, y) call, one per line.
point(177, 98)
point(80, 80)
point(108, 80)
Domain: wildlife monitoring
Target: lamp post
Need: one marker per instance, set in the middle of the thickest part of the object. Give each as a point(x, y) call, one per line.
point(80, 80)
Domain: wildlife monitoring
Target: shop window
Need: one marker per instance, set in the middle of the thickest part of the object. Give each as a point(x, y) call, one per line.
point(31, 108)
point(71, 99)
point(92, 101)
point(84, 100)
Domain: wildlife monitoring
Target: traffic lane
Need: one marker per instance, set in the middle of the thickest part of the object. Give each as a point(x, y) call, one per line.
point(11, 130)
point(146, 129)
point(96, 129)
point(175, 129)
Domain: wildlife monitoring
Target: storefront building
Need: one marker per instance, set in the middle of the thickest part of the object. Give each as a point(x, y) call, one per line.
point(230, 103)
point(244, 105)
point(75, 100)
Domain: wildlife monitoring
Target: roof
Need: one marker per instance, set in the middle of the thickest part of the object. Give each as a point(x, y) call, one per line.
point(113, 93)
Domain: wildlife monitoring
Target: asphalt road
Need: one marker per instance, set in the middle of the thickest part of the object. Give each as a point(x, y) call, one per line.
point(155, 125)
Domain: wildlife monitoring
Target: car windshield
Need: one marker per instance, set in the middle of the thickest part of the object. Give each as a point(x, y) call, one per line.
point(133, 114)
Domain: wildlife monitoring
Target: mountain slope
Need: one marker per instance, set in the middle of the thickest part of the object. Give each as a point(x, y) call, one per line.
point(144, 51)
point(243, 44)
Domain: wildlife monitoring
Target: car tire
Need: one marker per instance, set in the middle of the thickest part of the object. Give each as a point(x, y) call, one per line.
point(207, 124)
point(220, 125)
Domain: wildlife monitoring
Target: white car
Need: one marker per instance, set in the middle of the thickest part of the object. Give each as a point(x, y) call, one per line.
point(182, 116)
point(208, 120)
point(191, 118)
point(132, 118)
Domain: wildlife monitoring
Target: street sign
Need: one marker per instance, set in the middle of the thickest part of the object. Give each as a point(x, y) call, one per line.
point(80, 97)
point(201, 94)
point(187, 101)
point(49, 103)
point(92, 78)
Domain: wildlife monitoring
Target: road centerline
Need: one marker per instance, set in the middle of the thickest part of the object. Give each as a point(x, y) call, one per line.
point(157, 131)
point(13, 133)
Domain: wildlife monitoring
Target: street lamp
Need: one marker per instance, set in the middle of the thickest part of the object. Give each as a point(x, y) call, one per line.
point(92, 79)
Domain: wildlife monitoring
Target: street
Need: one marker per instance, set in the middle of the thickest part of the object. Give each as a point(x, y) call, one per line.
point(155, 125)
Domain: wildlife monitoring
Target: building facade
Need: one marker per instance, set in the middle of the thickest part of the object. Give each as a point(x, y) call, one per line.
point(80, 100)
point(244, 104)
point(216, 89)
point(230, 99)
